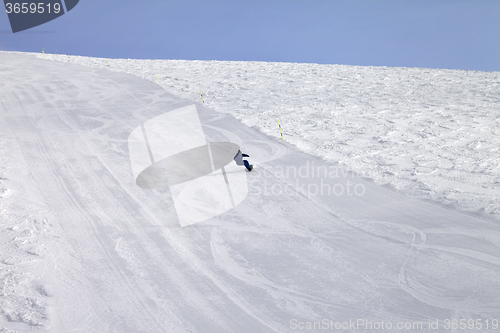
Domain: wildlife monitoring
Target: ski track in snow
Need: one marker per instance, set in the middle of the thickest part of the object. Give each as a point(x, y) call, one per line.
point(83, 249)
point(431, 133)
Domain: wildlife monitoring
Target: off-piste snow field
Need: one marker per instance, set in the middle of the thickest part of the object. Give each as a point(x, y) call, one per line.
point(378, 211)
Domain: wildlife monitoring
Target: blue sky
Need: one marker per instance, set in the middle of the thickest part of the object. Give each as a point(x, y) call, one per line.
point(455, 34)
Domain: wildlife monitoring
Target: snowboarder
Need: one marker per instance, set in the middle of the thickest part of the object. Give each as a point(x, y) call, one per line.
point(240, 161)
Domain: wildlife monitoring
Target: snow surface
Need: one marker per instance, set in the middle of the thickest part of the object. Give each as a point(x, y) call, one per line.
point(431, 133)
point(83, 249)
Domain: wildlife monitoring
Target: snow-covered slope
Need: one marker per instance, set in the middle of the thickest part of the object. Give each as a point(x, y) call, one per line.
point(431, 133)
point(84, 249)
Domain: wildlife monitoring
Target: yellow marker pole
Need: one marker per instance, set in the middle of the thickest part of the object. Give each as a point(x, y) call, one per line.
point(157, 78)
point(202, 97)
point(107, 63)
point(280, 129)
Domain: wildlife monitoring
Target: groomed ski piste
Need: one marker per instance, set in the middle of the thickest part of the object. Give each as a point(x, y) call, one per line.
point(400, 233)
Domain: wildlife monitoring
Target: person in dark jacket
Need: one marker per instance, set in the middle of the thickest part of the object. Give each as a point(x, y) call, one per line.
point(238, 158)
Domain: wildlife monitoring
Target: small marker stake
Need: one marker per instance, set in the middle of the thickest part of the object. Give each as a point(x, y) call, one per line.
point(280, 129)
point(202, 97)
point(157, 78)
point(107, 63)
point(68, 58)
